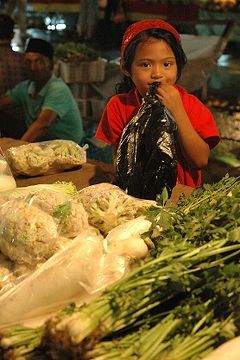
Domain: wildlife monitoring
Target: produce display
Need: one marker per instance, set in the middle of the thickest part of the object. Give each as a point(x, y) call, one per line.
point(30, 232)
point(75, 52)
point(46, 230)
point(45, 157)
point(181, 301)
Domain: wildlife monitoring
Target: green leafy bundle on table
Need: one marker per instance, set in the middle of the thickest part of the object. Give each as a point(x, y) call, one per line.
point(75, 52)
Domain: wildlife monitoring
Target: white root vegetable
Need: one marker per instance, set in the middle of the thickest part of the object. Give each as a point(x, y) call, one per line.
point(230, 350)
point(125, 239)
point(60, 280)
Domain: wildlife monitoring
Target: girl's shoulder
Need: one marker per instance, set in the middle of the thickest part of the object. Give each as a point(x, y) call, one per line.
point(191, 101)
point(129, 98)
point(124, 104)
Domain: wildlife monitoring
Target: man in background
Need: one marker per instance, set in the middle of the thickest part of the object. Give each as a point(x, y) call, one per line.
point(12, 71)
point(50, 110)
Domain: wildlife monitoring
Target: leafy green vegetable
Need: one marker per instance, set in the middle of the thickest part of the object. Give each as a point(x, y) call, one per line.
point(71, 51)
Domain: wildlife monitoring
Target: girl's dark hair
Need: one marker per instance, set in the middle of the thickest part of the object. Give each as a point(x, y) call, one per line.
point(127, 84)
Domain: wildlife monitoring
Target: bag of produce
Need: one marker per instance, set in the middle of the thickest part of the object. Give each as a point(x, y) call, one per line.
point(45, 157)
point(27, 234)
point(69, 213)
point(109, 206)
point(76, 273)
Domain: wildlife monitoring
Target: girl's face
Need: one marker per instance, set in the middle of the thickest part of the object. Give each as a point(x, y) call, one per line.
point(153, 61)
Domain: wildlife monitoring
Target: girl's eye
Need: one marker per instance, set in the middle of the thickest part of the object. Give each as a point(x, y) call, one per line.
point(145, 64)
point(167, 64)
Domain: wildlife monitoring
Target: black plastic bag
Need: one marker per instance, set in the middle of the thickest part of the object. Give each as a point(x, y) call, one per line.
point(146, 156)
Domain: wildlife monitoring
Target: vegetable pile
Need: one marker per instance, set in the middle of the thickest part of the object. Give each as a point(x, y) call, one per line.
point(30, 232)
point(75, 52)
point(51, 253)
point(179, 303)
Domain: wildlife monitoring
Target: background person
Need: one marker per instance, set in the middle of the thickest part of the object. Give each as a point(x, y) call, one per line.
point(115, 22)
point(17, 9)
point(151, 52)
point(50, 110)
point(87, 20)
point(12, 71)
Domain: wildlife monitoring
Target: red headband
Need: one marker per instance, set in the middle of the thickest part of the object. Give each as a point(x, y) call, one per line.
point(139, 26)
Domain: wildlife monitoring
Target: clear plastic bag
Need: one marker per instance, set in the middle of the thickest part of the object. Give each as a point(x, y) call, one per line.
point(7, 181)
point(45, 157)
point(109, 206)
point(77, 273)
point(27, 234)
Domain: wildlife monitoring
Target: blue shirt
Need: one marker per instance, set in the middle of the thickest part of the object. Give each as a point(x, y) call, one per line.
point(56, 96)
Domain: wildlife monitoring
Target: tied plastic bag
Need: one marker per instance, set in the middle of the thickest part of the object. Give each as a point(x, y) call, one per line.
point(7, 181)
point(146, 156)
point(46, 157)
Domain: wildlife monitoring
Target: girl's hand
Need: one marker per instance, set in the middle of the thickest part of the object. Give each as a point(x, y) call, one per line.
point(170, 97)
point(194, 149)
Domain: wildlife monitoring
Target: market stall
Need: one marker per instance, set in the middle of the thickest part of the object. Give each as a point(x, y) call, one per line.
point(97, 274)
point(179, 298)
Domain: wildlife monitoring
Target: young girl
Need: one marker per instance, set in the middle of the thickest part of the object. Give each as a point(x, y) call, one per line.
point(151, 52)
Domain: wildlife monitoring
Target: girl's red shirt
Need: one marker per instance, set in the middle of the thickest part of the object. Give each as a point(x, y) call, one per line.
point(122, 107)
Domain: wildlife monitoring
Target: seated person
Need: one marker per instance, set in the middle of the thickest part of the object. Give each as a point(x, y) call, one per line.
point(50, 109)
point(12, 71)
